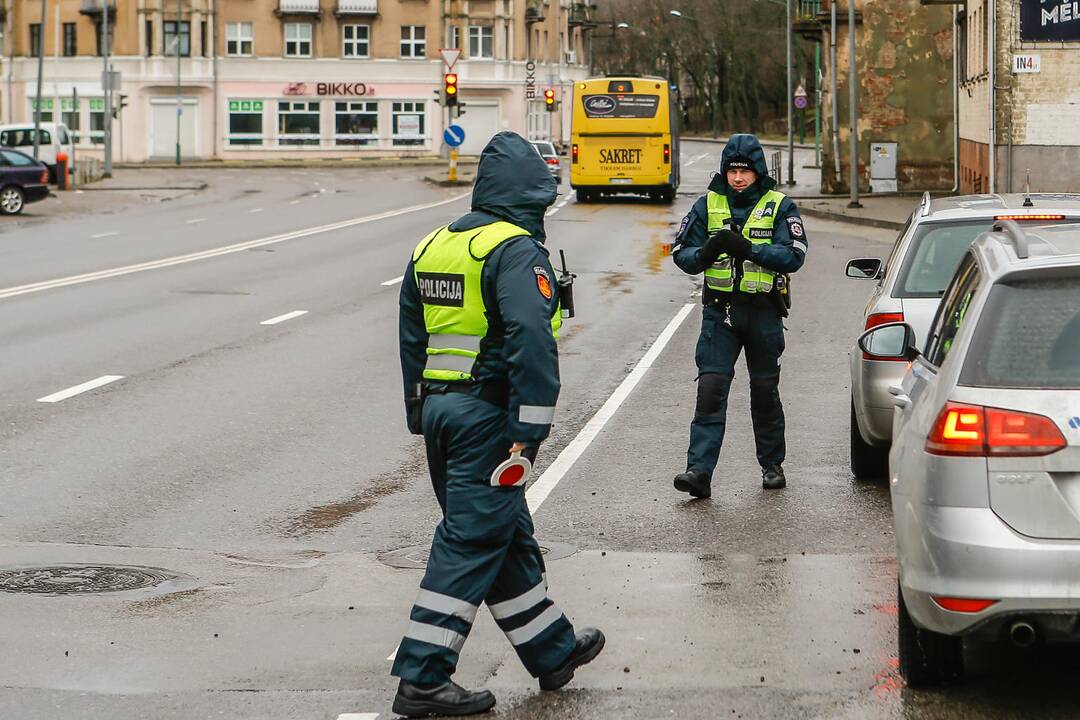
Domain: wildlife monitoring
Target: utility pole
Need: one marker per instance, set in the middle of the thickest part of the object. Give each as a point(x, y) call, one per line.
point(179, 105)
point(40, 72)
point(853, 82)
point(835, 95)
point(790, 115)
point(106, 80)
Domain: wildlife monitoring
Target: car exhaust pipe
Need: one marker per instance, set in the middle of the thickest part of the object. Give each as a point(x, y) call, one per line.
point(1022, 634)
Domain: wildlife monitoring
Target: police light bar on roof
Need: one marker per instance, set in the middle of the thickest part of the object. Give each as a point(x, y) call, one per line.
point(1029, 217)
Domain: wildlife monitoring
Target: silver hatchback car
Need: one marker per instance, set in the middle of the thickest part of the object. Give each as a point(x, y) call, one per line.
point(909, 288)
point(985, 461)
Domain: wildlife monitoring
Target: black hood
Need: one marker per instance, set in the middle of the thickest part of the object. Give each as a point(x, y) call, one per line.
point(512, 184)
point(744, 145)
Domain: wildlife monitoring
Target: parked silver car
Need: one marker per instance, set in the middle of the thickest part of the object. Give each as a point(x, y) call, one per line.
point(985, 461)
point(551, 157)
point(909, 287)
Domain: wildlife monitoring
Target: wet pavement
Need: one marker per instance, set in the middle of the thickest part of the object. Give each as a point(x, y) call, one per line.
point(268, 469)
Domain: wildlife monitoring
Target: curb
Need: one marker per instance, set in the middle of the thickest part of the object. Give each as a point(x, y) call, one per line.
point(462, 181)
point(764, 143)
point(851, 219)
point(313, 164)
point(191, 188)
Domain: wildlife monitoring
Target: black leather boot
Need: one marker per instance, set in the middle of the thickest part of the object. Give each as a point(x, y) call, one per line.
point(772, 477)
point(694, 482)
point(588, 644)
point(447, 699)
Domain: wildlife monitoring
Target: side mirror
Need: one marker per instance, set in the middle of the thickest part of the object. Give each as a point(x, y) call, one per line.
point(864, 268)
point(894, 341)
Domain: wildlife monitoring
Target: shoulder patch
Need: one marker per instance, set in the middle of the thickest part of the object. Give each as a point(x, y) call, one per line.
point(795, 227)
point(682, 226)
point(543, 281)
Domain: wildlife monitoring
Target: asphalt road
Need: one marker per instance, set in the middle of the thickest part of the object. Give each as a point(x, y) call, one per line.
point(267, 467)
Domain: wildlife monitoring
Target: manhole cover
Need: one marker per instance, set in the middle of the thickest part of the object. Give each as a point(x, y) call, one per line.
point(85, 579)
point(415, 557)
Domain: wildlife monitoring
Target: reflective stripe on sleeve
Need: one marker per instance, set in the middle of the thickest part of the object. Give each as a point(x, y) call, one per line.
point(539, 624)
point(457, 342)
point(435, 635)
point(448, 361)
point(536, 414)
point(800, 245)
point(528, 599)
point(437, 602)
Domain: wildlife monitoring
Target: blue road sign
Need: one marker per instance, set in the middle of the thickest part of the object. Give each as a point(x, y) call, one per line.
point(454, 136)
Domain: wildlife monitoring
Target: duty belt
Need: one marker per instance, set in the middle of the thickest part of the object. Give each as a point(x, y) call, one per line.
point(495, 392)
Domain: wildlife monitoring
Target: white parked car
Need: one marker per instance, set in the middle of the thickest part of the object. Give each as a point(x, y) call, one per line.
point(55, 138)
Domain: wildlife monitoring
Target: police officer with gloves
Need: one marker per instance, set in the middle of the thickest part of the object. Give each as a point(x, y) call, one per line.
point(479, 316)
point(745, 237)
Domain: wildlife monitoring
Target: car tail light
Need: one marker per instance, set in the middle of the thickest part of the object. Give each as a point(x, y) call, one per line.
point(552, 160)
point(1029, 218)
point(962, 605)
point(875, 319)
point(975, 431)
point(667, 154)
point(44, 180)
point(573, 153)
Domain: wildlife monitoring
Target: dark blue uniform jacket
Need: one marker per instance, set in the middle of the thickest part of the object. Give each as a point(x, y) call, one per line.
point(788, 248)
point(512, 184)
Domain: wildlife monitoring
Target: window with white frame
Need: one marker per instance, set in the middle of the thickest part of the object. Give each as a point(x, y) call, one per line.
point(239, 39)
point(46, 109)
point(355, 41)
point(413, 42)
point(245, 122)
point(97, 120)
point(481, 41)
point(453, 37)
point(297, 39)
point(356, 123)
point(409, 122)
point(176, 41)
point(298, 123)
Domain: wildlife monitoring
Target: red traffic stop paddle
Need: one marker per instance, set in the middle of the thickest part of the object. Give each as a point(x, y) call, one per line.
point(512, 472)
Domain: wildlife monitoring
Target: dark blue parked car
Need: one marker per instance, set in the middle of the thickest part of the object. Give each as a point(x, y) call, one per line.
point(22, 180)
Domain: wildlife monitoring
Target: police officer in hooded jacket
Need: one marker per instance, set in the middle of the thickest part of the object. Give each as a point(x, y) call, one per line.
point(744, 236)
point(479, 316)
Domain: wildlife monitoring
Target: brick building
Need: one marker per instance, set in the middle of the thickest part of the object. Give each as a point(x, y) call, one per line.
point(904, 53)
point(1030, 51)
point(273, 78)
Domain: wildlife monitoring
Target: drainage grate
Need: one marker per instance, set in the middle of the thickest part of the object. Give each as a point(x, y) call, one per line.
point(416, 557)
point(83, 579)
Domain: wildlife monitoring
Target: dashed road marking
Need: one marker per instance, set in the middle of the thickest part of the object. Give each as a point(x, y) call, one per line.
point(255, 210)
point(283, 318)
point(358, 716)
point(294, 202)
point(79, 389)
point(217, 252)
point(103, 235)
point(540, 490)
point(393, 281)
point(194, 221)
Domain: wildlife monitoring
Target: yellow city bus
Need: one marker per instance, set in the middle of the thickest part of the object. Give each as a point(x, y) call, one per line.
point(624, 138)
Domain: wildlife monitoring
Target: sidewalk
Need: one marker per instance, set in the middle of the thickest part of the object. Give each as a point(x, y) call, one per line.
point(883, 211)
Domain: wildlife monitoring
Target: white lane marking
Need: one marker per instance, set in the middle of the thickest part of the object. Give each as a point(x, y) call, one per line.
point(540, 490)
point(78, 389)
point(393, 656)
point(294, 202)
point(702, 156)
point(393, 281)
point(103, 235)
point(255, 210)
point(217, 252)
point(552, 211)
point(358, 716)
point(283, 318)
point(194, 221)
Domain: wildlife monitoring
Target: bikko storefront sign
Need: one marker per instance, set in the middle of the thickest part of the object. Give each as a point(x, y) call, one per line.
point(336, 89)
point(1049, 20)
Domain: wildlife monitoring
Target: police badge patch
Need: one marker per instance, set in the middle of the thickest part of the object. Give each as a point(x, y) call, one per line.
point(795, 227)
point(543, 282)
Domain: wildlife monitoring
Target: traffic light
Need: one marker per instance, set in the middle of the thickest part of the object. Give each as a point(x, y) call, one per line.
point(549, 99)
point(450, 89)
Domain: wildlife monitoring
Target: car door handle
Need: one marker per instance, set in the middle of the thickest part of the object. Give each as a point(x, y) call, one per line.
point(900, 399)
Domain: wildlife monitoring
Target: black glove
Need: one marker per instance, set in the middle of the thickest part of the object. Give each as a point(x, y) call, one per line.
point(726, 242)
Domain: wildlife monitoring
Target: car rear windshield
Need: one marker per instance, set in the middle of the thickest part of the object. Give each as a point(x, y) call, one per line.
point(933, 255)
point(545, 148)
point(1028, 335)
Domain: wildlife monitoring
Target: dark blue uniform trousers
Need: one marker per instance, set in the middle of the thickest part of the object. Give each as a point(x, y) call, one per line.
point(483, 551)
point(759, 331)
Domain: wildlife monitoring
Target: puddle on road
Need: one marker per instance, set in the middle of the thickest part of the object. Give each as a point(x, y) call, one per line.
point(616, 281)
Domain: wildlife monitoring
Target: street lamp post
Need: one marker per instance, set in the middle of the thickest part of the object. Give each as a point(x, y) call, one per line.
point(179, 104)
point(790, 114)
point(40, 72)
point(106, 81)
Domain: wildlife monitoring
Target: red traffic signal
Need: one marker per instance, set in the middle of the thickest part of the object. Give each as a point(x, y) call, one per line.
point(450, 88)
point(549, 99)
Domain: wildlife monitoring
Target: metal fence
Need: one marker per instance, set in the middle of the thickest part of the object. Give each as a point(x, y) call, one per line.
point(777, 167)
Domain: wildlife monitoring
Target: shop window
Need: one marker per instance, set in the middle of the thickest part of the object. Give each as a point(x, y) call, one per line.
point(97, 120)
point(172, 40)
point(69, 115)
point(46, 109)
point(355, 41)
point(481, 41)
point(413, 42)
point(356, 123)
point(298, 123)
point(239, 39)
point(297, 39)
point(246, 122)
point(409, 123)
point(71, 47)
